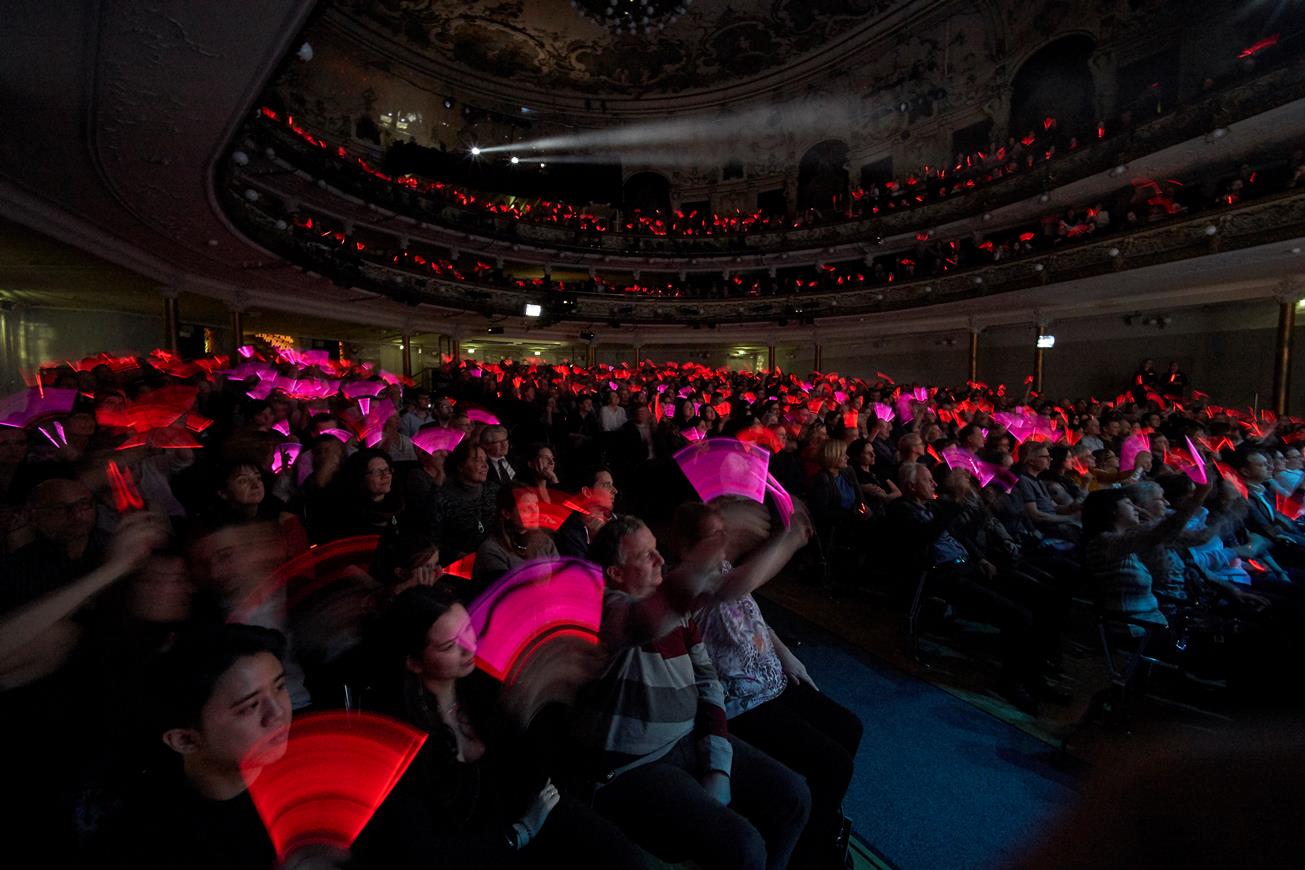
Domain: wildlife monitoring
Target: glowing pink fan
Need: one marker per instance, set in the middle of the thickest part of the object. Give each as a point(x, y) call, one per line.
point(986, 472)
point(1197, 470)
point(921, 394)
point(1133, 445)
point(691, 433)
point(22, 409)
point(337, 770)
point(361, 389)
point(245, 350)
point(531, 604)
point(840, 397)
point(342, 434)
point(373, 425)
point(783, 501)
point(476, 415)
point(282, 426)
point(724, 466)
point(884, 412)
point(435, 438)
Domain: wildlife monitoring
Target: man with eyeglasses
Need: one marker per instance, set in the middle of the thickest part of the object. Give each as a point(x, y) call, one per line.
point(65, 546)
point(495, 441)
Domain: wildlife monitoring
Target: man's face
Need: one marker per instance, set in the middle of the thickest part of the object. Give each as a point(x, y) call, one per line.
point(246, 720)
point(1039, 460)
point(495, 444)
point(640, 571)
point(1256, 468)
point(922, 487)
point(63, 510)
point(462, 423)
point(640, 416)
point(603, 492)
point(1112, 428)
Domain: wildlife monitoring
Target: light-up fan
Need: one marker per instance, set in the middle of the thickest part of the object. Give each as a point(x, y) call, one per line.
point(337, 770)
point(532, 604)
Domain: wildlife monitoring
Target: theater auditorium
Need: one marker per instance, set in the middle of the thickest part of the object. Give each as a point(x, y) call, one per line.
point(811, 434)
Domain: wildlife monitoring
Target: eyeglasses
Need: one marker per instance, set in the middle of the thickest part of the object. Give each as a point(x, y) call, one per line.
point(69, 508)
point(380, 472)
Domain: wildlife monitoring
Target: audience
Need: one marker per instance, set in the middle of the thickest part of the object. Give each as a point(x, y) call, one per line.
point(698, 734)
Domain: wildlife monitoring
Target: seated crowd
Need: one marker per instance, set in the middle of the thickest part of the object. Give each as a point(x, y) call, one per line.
point(153, 654)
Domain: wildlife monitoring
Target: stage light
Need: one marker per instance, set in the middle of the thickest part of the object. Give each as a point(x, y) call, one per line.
point(448, 102)
point(534, 309)
point(515, 160)
point(1046, 341)
point(475, 150)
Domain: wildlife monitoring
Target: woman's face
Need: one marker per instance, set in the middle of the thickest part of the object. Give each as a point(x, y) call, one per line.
point(527, 511)
point(476, 468)
point(244, 487)
point(378, 477)
point(450, 651)
point(1126, 514)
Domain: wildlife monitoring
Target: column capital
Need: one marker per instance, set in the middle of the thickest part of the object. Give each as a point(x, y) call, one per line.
point(1289, 290)
point(168, 292)
point(239, 302)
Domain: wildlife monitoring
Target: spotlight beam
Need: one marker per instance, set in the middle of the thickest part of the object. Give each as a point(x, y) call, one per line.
point(830, 116)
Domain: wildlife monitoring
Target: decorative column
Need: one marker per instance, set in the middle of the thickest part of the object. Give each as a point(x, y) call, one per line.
point(974, 353)
point(1282, 354)
point(407, 355)
point(819, 363)
point(171, 323)
point(770, 357)
point(1039, 357)
point(237, 307)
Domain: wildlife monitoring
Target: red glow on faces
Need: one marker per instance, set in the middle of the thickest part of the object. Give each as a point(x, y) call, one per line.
point(337, 770)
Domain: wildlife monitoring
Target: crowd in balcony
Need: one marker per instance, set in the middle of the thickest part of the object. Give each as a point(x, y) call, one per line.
point(1020, 153)
point(1139, 203)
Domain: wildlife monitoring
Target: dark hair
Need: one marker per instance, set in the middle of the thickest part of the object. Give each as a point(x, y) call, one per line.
point(183, 678)
point(856, 447)
point(590, 476)
point(354, 470)
point(967, 430)
point(402, 547)
point(459, 455)
point(233, 466)
point(411, 615)
point(1099, 511)
point(605, 551)
point(1176, 487)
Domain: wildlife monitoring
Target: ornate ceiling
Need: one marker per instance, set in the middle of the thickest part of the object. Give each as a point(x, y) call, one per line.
point(548, 45)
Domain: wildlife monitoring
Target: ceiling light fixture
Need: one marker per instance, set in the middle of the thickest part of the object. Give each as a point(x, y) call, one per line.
point(632, 16)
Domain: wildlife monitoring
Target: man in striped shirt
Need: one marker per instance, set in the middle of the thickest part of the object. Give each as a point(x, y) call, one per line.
point(673, 777)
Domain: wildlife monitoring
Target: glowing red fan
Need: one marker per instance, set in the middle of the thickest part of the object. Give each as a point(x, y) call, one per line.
point(530, 605)
point(337, 769)
point(309, 572)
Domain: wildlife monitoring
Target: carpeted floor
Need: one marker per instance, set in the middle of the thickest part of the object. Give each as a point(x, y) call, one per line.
point(939, 783)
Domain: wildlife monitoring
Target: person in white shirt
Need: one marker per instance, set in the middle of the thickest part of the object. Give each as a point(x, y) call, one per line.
point(612, 416)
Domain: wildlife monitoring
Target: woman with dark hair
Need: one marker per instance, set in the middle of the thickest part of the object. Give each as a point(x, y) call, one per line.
point(875, 489)
point(1114, 537)
point(361, 499)
point(518, 538)
point(463, 510)
point(476, 795)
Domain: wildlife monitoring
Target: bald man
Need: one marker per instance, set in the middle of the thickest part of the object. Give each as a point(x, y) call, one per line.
point(66, 546)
